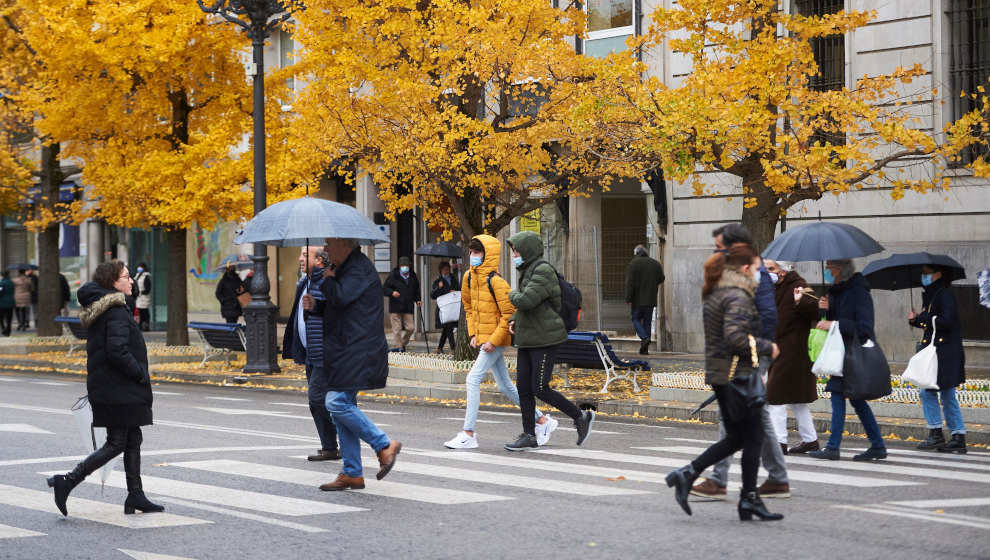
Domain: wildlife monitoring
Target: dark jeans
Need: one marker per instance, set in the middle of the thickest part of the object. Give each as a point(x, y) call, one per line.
point(145, 319)
point(865, 414)
point(642, 320)
point(534, 368)
point(746, 434)
point(126, 440)
point(447, 334)
point(6, 320)
point(22, 318)
point(321, 416)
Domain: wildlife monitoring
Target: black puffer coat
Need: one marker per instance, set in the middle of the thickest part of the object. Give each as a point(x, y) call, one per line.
point(229, 287)
point(117, 375)
point(730, 317)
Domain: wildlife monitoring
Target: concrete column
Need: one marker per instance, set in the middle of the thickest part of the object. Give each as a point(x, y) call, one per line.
point(94, 246)
point(582, 245)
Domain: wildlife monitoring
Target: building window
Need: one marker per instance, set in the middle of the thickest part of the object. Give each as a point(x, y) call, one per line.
point(610, 23)
point(969, 59)
point(830, 56)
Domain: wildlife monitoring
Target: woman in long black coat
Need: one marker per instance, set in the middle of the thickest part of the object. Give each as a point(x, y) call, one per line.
point(940, 309)
point(228, 289)
point(443, 285)
point(118, 383)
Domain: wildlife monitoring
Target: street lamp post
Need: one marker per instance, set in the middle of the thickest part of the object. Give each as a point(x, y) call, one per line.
point(258, 18)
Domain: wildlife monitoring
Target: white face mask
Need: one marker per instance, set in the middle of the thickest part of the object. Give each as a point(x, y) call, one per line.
point(773, 277)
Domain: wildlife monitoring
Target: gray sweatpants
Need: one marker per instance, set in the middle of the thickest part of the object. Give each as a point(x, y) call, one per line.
point(771, 454)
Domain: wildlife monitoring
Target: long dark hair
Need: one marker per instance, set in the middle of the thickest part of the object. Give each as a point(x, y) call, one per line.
point(738, 255)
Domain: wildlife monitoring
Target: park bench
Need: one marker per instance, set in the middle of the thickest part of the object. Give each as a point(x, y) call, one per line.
point(592, 350)
point(219, 339)
point(78, 332)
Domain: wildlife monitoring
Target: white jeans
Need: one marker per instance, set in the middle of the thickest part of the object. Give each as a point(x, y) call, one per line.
point(806, 425)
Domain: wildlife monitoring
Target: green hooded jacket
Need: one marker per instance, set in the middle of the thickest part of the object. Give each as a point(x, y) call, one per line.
point(537, 301)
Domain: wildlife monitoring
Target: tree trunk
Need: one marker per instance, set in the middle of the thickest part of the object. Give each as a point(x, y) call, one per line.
point(49, 287)
point(178, 333)
point(761, 219)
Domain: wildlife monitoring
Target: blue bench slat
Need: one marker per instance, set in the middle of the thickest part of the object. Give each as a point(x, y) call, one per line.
point(69, 320)
point(226, 327)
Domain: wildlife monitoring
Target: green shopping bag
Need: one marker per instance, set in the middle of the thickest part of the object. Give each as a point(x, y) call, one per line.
point(815, 342)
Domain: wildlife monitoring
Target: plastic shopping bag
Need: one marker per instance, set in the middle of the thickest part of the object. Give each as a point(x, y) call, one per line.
point(83, 414)
point(450, 307)
point(829, 362)
point(816, 339)
point(922, 369)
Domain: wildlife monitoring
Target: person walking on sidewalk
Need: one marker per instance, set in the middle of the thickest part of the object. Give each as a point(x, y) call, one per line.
point(22, 299)
point(848, 301)
point(143, 300)
point(402, 290)
point(643, 276)
point(487, 311)
point(66, 295)
point(33, 277)
point(539, 330)
point(777, 484)
point(444, 284)
point(6, 303)
point(732, 348)
point(355, 357)
point(228, 290)
point(118, 384)
point(303, 343)
point(940, 315)
point(791, 383)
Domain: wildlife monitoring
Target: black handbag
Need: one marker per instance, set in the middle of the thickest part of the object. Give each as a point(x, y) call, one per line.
point(746, 393)
point(865, 372)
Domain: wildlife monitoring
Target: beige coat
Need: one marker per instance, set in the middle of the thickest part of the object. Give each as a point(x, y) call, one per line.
point(22, 291)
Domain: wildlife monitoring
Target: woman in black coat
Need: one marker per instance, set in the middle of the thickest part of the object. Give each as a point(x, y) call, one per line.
point(229, 287)
point(940, 309)
point(443, 285)
point(118, 382)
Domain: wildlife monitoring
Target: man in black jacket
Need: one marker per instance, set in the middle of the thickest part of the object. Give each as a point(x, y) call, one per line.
point(643, 276)
point(402, 290)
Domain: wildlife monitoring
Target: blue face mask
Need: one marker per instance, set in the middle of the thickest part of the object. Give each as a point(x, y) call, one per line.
point(475, 261)
point(758, 276)
point(517, 261)
point(829, 279)
point(140, 270)
point(926, 280)
point(404, 269)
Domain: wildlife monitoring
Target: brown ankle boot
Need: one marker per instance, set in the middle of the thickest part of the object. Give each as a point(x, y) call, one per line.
point(386, 458)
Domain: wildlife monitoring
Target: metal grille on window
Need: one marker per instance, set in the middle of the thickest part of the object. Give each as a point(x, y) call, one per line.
point(830, 55)
point(969, 59)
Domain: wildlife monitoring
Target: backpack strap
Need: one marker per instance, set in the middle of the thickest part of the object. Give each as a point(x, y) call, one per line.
point(492, 290)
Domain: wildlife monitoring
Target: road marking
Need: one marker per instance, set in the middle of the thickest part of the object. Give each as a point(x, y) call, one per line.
point(375, 411)
point(169, 393)
point(73, 458)
point(949, 463)
point(243, 515)
point(807, 476)
point(8, 532)
point(36, 409)
point(948, 503)
point(314, 478)
point(691, 440)
point(23, 429)
point(234, 399)
point(966, 521)
point(480, 421)
point(240, 431)
point(8, 379)
point(52, 383)
point(80, 508)
point(970, 456)
point(593, 431)
point(138, 555)
point(873, 467)
point(244, 499)
point(251, 412)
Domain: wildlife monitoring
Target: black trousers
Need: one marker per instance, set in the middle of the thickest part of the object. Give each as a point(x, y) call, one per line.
point(746, 434)
point(447, 334)
point(534, 369)
point(22, 318)
point(145, 319)
point(321, 416)
point(126, 440)
point(6, 320)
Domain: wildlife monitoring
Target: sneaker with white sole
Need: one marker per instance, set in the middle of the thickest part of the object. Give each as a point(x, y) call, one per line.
point(544, 430)
point(462, 441)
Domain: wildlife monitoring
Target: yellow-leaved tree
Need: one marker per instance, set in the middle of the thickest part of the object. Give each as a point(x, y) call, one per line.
point(749, 109)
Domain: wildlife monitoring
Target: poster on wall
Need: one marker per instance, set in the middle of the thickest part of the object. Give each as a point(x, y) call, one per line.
point(205, 250)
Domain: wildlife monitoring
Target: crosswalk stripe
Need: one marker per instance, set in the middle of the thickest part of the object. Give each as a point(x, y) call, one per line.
point(7, 379)
point(242, 515)
point(139, 555)
point(169, 393)
point(51, 383)
point(929, 517)
point(231, 399)
point(8, 532)
point(244, 499)
point(80, 508)
point(23, 429)
point(805, 476)
point(479, 420)
point(947, 503)
point(872, 467)
point(968, 457)
point(313, 478)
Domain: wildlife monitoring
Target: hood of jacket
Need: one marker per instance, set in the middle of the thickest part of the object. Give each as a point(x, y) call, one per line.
point(492, 254)
point(528, 244)
point(96, 300)
point(735, 279)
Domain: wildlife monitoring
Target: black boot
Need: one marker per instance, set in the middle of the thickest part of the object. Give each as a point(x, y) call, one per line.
point(934, 441)
point(681, 481)
point(63, 485)
point(136, 500)
point(644, 346)
point(956, 445)
point(750, 504)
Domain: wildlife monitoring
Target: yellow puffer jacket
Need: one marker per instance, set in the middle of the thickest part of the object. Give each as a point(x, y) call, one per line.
point(487, 320)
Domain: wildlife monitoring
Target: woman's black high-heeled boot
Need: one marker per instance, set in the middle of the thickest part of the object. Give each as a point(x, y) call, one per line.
point(136, 500)
point(750, 504)
point(63, 485)
point(681, 481)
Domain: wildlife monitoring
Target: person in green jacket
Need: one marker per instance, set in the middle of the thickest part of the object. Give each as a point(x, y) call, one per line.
point(643, 276)
point(539, 330)
point(6, 303)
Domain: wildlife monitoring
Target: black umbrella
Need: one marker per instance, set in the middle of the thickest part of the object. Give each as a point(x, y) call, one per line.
point(22, 266)
point(440, 249)
point(903, 271)
point(821, 241)
point(240, 262)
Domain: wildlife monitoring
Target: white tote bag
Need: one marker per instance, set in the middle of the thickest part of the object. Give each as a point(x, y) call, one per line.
point(450, 307)
point(922, 369)
point(829, 362)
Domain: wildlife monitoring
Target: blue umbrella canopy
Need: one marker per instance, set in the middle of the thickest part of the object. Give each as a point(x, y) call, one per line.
point(903, 270)
point(308, 221)
point(821, 241)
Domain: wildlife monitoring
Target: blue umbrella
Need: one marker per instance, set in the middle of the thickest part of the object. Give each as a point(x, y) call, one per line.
point(821, 241)
point(299, 222)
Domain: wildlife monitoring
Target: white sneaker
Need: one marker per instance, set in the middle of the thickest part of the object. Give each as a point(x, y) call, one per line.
point(462, 441)
point(543, 431)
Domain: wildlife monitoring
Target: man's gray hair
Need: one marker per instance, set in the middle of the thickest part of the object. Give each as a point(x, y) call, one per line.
point(847, 270)
point(641, 251)
point(786, 266)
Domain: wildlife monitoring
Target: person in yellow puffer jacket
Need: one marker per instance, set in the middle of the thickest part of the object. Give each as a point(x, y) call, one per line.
point(487, 310)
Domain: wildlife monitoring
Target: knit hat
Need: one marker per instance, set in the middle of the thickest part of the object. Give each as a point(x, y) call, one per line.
point(405, 261)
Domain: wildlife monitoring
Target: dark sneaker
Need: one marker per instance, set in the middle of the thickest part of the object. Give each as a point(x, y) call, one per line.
point(871, 454)
point(804, 447)
point(522, 443)
point(825, 453)
point(583, 425)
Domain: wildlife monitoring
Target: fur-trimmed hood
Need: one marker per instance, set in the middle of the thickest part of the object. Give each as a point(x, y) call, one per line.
point(96, 300)
point(735, 279)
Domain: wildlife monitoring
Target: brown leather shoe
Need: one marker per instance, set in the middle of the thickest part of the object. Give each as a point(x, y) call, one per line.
point(344, 482)
point(774, 490)
point(708, 489)
point(386, 458)
point(804, 447)
point(325, 455)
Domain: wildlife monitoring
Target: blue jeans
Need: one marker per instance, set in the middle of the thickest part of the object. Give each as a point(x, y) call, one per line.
point(488, 361)
point(352, 427)
point(950, 406)
point(865, 414)
point(642, 320)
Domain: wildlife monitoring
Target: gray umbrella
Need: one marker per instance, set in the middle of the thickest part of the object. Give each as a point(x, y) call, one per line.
point(821, 241)
point(301, 221)
point(440, 249)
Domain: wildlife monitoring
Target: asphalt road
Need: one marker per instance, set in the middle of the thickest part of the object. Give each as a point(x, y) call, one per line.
point(228, 465)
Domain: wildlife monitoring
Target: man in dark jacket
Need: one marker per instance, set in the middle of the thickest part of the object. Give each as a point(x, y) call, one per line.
point(355, 357)
point(66, 294)
point(402, 290)
point(643, 276)
point(229, 287)
point(303, 343)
